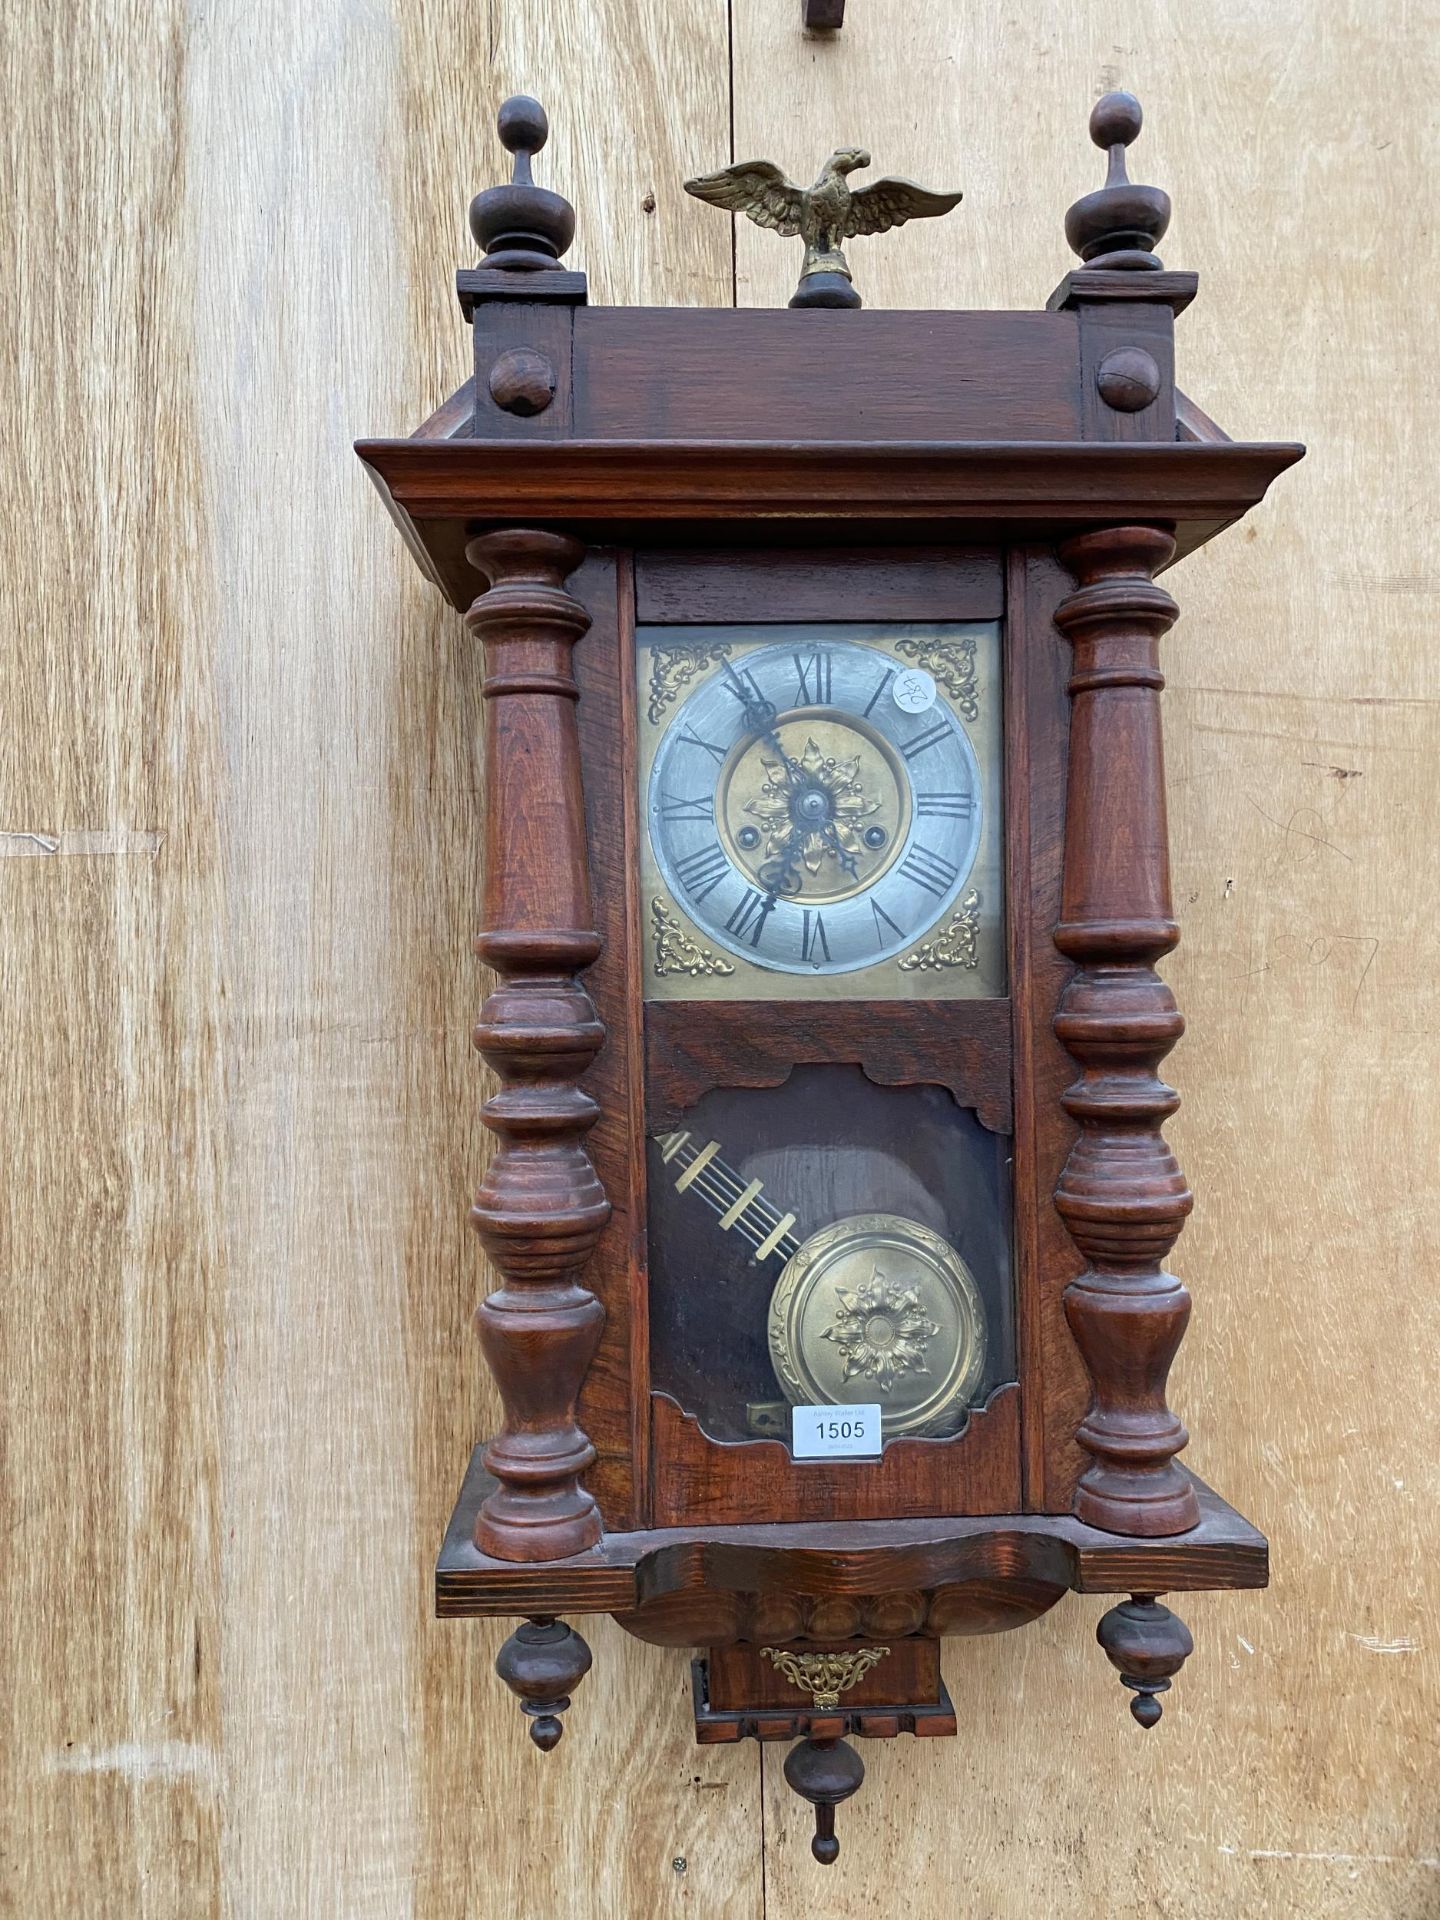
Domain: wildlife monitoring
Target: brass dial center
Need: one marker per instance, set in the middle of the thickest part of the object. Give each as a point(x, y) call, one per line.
point(816, 809)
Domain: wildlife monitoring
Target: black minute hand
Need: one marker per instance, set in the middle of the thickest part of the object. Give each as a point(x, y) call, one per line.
point(758, 718)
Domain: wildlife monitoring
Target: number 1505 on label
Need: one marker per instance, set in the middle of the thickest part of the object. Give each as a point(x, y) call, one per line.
point(835, 1433)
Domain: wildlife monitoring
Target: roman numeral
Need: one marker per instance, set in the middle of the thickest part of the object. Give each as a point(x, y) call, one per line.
point(812, 935)
point(814, 677)
point(700, 873)
point(928, 870)
point(924, 741)
point(700, 808)
point(743, 686)
point(884, 683)
point(950, 806)
point(688, 733)
point(880, 914)
point(753, 911)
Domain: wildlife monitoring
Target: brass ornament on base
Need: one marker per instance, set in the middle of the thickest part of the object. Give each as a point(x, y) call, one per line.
point(825, 1676)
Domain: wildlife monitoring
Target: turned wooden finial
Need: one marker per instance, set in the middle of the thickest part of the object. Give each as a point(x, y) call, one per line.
point(1147, 1645)
point(541, 1663)
point(522, 227)
point(1119, 225)
point(824, 1772)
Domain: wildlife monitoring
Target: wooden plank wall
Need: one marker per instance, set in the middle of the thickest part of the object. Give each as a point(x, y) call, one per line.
point(238, 809)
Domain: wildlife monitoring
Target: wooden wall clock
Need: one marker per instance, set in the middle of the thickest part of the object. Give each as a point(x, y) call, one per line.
point(826, 881)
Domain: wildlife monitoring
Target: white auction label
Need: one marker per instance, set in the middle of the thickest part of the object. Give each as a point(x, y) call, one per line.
point(914, 690)
point(835, 1433)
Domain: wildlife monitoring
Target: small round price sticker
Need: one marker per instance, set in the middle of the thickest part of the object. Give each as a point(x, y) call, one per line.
point(914, 690)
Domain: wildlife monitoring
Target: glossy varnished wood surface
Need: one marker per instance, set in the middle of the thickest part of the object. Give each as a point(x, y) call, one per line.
point(878, 1556)
point(707, 478)
point(436, 489)
point(951, 582)
point(239, 1378)
point(1121, 1193)
point(540, 1208)
point(1036, 746)
point(871, 381)
point(615, 1393)
point(692, 1046)
point(694, 1478)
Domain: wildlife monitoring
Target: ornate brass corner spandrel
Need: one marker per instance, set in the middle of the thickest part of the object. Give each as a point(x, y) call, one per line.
point(676, 952)
point(825, 1676)
point(672, 668)
point(955, 947)
point(951, 658)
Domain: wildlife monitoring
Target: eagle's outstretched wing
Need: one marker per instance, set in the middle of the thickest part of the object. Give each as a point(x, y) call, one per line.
point(755, 187)
point(890, 203)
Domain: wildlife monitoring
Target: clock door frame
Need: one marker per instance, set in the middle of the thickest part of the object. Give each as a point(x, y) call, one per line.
point(655, 1467)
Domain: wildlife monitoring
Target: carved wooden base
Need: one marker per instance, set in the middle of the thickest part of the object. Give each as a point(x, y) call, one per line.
point(987, 1600)
point(826, 290)
point(1147, 1645)
point(963, 1572)
point(720, 1725)
point(541, 1663)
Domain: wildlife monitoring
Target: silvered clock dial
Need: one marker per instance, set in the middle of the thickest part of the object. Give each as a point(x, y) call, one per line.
point(815, 807)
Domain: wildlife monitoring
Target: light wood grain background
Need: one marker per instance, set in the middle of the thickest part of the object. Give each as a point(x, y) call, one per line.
point(239, 819)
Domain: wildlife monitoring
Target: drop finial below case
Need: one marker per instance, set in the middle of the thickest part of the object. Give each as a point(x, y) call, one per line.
point(824, 1772)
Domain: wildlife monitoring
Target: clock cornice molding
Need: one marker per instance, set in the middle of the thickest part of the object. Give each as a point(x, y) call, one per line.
point(439, 490)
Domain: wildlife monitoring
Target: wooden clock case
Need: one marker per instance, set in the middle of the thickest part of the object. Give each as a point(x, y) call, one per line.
point(614, 466)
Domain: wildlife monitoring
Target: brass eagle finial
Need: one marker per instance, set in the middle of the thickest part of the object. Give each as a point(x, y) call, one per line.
point(823, 215)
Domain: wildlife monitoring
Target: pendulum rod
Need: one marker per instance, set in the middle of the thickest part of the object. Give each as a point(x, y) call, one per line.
point(737, 1201)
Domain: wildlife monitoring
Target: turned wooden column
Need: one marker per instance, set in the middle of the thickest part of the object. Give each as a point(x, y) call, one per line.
point(541, 1207)
point(1121, 1194)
